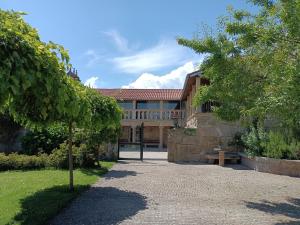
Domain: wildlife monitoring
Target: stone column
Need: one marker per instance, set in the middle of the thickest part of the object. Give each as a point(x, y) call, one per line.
point(221, 158)
point(188, 106)
point(161, 109)
point(133, 133)
point(161, 136)
point(133, 111)
point(193, 96)
point(198, 84)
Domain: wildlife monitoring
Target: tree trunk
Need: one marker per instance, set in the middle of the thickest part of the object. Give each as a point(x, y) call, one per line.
point(70, 140)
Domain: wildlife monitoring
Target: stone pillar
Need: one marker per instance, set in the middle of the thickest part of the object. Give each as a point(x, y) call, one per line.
point(161, 109)
point(133, 111)
point(161, 136)
point(198, 84)
point(193, 95)
point(133, 133)
point(221, 158)
point(188, 106)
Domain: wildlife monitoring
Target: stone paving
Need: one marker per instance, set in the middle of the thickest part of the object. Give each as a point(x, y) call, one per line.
point(158, 192)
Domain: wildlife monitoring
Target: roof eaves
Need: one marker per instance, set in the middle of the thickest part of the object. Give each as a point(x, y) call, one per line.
point(196, 73)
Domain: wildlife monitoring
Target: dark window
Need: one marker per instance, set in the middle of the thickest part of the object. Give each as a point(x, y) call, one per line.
point(170, 105)
point(148, 105)
point(125, 104)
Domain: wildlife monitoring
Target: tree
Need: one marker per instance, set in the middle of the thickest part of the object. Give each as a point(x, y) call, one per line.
point(34, 87)
point(105, 121)
point(32, 72)
point(253, 64)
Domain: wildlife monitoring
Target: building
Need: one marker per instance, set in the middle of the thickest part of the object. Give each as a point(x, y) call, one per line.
point(158, 109)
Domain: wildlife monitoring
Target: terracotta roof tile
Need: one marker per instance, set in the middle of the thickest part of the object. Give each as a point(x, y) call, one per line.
point(142, 94)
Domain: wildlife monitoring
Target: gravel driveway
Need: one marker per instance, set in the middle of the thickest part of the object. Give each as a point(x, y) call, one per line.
point(158, 192)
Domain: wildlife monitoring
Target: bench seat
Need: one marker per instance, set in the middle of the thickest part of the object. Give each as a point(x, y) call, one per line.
point(234, 157)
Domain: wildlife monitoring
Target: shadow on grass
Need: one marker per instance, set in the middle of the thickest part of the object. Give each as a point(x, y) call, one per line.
point(44, 204)
point(290, 209)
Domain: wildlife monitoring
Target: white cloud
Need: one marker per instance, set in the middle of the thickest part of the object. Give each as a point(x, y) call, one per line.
point(174, 79)
point(165, 54)
point(93, 57)
point(120, 42)
point(91, 82)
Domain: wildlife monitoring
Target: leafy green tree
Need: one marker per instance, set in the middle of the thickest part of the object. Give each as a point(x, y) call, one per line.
point(34, 87)
point(32, 73)
point(105, 122)
point(253, 63)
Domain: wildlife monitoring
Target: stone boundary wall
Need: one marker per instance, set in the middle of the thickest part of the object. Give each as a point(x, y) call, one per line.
point(202, 134)
point(274, 166)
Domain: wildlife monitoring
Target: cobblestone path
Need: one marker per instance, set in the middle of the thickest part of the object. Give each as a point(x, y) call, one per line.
point(158, 192)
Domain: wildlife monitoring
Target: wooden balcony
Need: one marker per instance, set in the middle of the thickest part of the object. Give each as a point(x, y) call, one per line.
point(153, 115)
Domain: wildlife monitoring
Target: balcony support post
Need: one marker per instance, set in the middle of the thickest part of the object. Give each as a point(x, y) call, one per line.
point(161, 136)
point(133, 133)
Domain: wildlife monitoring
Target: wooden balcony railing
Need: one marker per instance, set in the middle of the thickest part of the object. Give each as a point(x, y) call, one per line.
point(146, 114)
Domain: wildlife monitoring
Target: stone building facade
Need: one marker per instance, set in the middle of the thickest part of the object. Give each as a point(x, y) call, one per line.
point(171, 122)
point(202, 131)
point(158, 109)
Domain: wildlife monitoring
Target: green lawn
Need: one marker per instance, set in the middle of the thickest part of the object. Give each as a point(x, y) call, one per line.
point(33, 197)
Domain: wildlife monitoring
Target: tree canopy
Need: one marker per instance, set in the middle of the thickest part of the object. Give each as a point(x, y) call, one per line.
point(35, 89)
point(253, 63)
point(32, 72)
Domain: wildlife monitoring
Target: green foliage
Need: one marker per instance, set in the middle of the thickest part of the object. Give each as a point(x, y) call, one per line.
point(22, 162)
point(237, 140)
point(34, 87)
point(253, 63)
point(253, 141)
point(82, 157)
point(44, 140)
point(190, 131)
point(32, 72)
point(278, 147)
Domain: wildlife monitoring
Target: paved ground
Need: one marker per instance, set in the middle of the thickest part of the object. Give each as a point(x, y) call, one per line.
point(157, 192)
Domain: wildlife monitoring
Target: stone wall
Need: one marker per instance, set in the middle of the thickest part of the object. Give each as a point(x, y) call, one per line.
point(275, 166)
point(202, 134)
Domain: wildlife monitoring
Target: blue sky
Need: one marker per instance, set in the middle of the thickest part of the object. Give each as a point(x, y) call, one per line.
point(125, 43)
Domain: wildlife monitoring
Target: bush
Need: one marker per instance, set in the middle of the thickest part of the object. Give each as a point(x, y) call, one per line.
point(15, 161)
point(44, 140)
point(253, 139)
point(82, 157)
point(279, 147)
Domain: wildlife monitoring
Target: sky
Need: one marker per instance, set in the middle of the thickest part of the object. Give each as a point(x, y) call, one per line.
point(126, 43)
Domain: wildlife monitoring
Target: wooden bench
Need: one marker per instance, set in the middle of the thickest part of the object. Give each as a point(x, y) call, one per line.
point(234, 157)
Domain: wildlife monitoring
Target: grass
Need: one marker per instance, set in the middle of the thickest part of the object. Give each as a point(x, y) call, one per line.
point(33, 197)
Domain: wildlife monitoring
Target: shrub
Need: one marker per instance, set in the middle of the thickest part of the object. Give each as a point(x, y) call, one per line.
point(279, 147)
point(44, 140)
point(253, 139)
point(237, 141)
point(82, 157)
point(15, 161)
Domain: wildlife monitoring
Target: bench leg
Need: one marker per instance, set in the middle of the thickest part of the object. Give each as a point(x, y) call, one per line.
point(221, 158)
